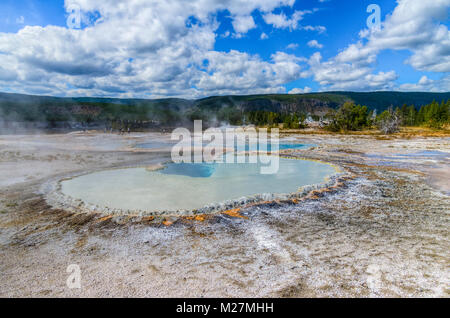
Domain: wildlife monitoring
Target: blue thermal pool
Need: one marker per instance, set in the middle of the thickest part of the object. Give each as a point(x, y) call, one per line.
point(168, 144)
point(189, 186)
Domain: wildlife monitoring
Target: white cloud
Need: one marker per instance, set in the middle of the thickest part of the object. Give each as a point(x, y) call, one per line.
point(242, 24)
point(304, 90)
point(315, 44)
point(237, 72)
point(318, 28)
point(334, 75)
point(414, 26)
point(292, 46)
point(264, 36)
point(428, 85)
point(281, 21)
point(144, 49)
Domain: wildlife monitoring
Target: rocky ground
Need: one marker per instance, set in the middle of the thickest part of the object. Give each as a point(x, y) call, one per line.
point(384, 232)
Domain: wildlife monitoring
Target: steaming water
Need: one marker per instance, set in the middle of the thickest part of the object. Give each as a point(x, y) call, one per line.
point(191, 186)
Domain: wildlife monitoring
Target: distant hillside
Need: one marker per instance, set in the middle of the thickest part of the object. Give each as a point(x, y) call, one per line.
point(56, 111)
point(382, 100)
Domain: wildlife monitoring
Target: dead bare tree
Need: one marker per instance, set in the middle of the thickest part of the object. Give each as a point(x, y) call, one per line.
point(389, 122)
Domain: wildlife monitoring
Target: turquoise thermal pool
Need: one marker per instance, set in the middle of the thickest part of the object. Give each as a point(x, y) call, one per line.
point(169, 144)
point(190, 186)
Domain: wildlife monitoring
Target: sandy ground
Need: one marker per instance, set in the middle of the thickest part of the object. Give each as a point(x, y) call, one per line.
point(382, 233)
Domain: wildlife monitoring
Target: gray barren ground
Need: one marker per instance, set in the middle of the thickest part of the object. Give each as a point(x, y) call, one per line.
point(383, 232)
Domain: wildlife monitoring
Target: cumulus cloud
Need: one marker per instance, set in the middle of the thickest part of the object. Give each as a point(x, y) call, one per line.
point(292, 46)
point(334, 75)
point(315, 44)
point(414, 26)
point(428, 85)
point(237, 72)
point(242, 24)
point(141, 48)
point(144, 49)
point(304, 90)
point(318, 28)
point(282, 21)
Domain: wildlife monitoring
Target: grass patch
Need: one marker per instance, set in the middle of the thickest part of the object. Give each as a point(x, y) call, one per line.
point(405, 132)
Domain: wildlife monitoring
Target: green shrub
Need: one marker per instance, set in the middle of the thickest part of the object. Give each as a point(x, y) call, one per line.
point(350, 117)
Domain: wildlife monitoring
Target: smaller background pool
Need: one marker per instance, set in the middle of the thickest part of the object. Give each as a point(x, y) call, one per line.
point(168, 144)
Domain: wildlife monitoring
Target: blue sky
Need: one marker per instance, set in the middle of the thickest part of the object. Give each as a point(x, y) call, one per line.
point(198, 48)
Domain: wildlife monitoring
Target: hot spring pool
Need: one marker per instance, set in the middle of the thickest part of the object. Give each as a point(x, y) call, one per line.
point(186, 186)
point(168, 144)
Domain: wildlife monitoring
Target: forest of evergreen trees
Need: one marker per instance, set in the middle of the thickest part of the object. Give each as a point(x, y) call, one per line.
point(272, 119)
point(433, 115)
point(351, 117)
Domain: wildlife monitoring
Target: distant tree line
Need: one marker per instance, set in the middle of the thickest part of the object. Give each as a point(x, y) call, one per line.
point(434, 115)
point(348, 117)
point(351, 117)
point(272, 119)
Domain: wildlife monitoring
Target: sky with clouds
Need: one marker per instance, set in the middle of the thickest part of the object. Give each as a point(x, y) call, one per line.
point(198, 48)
